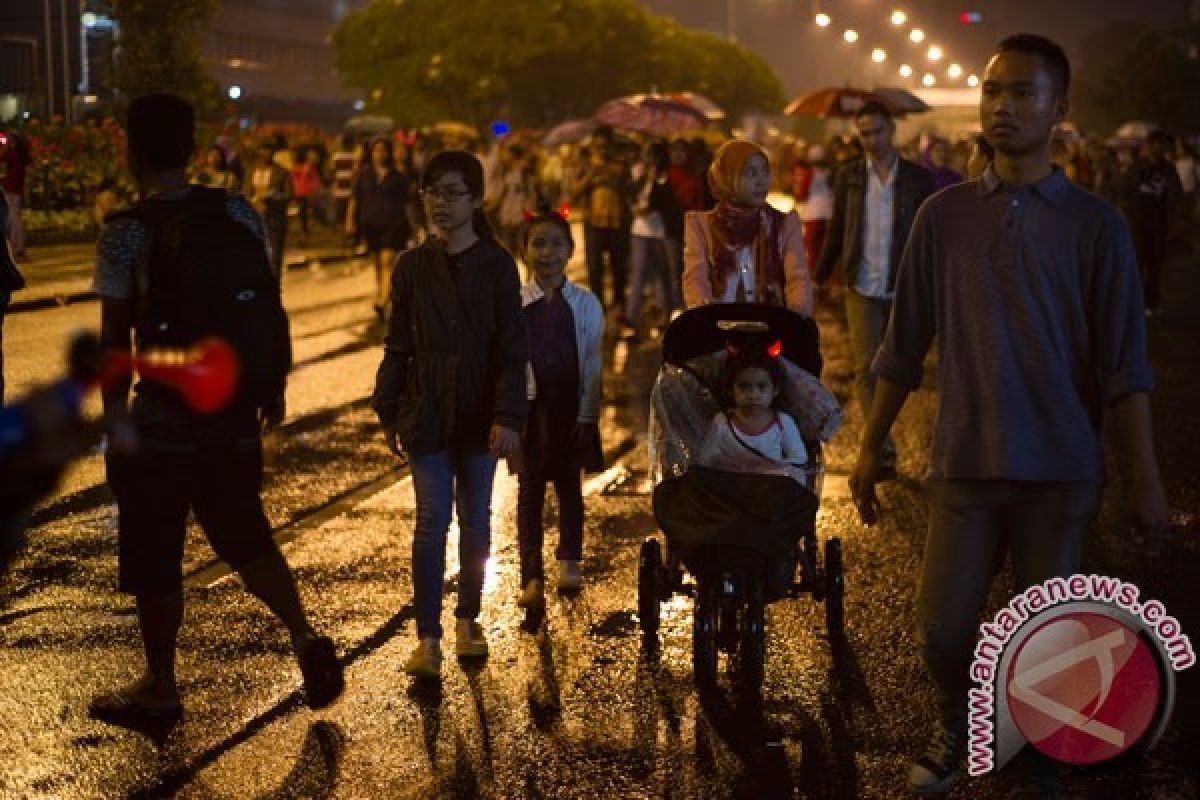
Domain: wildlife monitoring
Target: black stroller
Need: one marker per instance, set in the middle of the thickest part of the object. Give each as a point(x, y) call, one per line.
point(747, 539)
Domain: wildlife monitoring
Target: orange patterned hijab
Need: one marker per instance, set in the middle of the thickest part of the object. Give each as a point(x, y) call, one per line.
point(735, 226)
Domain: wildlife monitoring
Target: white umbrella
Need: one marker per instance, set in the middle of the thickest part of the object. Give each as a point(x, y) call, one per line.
point(369, 124)
point(1137, 129)
point(574, 130)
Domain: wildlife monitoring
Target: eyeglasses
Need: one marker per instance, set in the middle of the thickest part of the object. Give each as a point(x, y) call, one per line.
point(448, 195)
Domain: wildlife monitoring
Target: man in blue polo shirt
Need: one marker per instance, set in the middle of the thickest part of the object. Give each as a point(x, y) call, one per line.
point(1030, 285)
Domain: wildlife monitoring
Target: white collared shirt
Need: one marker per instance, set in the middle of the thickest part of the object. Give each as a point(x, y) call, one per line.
point(878, 217)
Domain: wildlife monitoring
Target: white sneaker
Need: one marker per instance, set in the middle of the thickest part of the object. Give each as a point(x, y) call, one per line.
point(940, 767)
point(426, 660)
point(533, 597)
point(469, 640)
point(569, 577)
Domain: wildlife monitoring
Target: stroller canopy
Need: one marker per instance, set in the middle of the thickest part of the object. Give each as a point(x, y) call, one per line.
point(707, 329)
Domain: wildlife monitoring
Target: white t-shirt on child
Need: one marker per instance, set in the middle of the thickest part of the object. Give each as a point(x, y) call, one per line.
point(776, 450)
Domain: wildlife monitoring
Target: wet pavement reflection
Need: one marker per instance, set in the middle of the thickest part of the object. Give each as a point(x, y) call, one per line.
point(572, 703)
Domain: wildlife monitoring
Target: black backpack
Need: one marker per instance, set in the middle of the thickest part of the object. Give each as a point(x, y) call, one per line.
point(206, 274)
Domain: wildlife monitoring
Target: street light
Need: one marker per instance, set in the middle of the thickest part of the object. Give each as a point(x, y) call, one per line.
point(906, 70)
point(235, 92)
point(955, 71)
point(899, 17)
point(929, 80)
point(916, 36)
point(851, 36)
point(972, 80)
point(935, 53)
point(823, 20)
point(879, 55)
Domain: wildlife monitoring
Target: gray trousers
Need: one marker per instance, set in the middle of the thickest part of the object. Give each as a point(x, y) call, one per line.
point(866, 319)
point(972, 524)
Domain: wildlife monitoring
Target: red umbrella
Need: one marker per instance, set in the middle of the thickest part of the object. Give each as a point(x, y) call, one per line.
point(844, 102)
point(902, 101)
point(652, 113)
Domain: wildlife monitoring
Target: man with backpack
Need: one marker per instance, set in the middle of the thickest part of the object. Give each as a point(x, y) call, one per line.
point(184, 264)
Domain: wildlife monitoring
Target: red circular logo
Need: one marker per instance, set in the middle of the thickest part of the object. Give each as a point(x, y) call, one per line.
point(1084, 688)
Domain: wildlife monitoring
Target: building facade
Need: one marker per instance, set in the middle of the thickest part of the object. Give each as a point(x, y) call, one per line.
point(41, 61)
point(277, 55)
point(271, 57)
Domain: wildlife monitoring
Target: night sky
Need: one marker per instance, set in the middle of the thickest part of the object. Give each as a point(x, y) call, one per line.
point(806, 57)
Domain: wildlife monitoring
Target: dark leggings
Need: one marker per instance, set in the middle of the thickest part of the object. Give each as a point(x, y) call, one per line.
point(531, 499)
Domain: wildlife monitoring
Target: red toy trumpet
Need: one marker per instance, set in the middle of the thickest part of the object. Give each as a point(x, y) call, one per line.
point(206, 375)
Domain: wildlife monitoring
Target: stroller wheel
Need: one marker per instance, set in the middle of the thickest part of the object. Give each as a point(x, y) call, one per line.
point(752, 650)
point(835, 589)
point(704, 631)
point(650, 570)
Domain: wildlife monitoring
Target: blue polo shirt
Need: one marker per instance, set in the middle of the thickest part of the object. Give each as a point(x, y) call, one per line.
point(1033, 295)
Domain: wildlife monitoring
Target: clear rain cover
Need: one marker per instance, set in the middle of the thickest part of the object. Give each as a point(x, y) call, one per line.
point(682, 406)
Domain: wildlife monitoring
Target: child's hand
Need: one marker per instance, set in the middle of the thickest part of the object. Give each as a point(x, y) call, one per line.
point(392, 438)
point(503, 442)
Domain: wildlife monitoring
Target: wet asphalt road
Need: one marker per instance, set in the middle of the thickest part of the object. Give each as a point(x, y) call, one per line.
point(579, 708)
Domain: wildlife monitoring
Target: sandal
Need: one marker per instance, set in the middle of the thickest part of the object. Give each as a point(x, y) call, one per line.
point(323, 679)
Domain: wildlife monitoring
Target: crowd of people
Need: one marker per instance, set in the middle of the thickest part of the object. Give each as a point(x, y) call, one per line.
point(478, 366)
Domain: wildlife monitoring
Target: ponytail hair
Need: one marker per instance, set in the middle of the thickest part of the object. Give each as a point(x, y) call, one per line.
point(468, 167)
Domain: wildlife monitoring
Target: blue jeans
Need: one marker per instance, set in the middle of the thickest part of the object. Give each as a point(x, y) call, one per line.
point(439, 481)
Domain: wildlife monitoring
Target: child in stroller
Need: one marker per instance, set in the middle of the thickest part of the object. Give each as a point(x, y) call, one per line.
point(753, 435)
point(739, 522)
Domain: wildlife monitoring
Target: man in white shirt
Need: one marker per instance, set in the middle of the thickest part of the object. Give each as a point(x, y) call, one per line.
point(875, 201)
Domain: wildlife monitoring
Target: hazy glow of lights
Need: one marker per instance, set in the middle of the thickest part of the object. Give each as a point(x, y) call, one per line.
point(955, 71)
point(916, 36)
point(823, 20)
point(929, 80)
point(235, 92)
point(935, 53)
point(899, 17)
point(879, 55)
point(850, 36)
point(906, 70)
point(972, 80)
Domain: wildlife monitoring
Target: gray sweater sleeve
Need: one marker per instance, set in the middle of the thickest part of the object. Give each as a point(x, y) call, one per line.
point(1115, 316)
point(911, 328)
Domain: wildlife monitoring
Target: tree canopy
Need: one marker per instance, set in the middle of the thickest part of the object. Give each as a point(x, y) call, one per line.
point(535, 62)
point(1133, 72)
point(157, 49)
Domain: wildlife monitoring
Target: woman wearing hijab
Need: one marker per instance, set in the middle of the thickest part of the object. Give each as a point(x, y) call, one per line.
point(936, 159)
point(744, 250)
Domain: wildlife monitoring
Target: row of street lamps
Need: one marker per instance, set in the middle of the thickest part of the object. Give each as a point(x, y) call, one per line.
point(916, 36)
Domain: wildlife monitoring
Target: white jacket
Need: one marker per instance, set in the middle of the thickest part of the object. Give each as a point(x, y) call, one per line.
point(589, 336)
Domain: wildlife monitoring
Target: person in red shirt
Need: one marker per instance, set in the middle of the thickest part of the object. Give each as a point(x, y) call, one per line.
point(306, 184)
point(685, 181)
point(14, 152)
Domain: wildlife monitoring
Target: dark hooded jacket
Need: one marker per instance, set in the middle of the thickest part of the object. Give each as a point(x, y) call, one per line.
point(456, 351)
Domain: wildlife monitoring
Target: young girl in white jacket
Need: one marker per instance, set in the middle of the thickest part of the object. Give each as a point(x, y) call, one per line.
point(566, 328)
